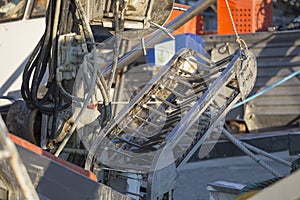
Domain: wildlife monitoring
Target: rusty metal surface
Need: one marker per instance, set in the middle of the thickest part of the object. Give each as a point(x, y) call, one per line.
point(278, 55)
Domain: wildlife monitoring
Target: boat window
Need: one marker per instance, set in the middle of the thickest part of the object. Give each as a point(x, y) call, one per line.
point(39, 9)
point(12, 10)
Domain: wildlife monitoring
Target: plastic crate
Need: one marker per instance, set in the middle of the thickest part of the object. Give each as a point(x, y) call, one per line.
point(194, 26)
point(249, 16)
point(161, 53)
point(264, 15)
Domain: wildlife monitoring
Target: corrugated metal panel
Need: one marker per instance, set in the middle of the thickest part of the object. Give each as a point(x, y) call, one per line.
point(278, 55)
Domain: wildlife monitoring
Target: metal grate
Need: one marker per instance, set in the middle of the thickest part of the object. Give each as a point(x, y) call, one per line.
point(173, 112)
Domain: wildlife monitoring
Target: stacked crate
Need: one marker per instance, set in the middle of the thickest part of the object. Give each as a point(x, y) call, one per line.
point(194, 26)
point(249, 16)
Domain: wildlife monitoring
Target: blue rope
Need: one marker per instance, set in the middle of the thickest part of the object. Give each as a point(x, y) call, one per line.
point(267, 89)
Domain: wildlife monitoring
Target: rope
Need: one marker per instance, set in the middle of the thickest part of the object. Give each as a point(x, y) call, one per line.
point(267, 89)
point(240, 41)
point(262, 163)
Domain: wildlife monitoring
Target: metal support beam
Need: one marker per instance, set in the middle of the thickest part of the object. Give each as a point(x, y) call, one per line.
point(195, 10)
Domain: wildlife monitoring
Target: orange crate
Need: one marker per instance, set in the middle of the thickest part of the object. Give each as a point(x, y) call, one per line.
point(249, 16)
point(194, 26)
point(264, 14)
